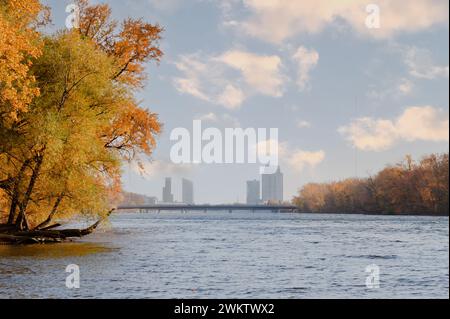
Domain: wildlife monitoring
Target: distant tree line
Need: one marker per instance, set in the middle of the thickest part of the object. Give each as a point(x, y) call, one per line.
point(409, 187)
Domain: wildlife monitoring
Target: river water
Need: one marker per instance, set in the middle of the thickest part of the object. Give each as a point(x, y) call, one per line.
point(239, 255)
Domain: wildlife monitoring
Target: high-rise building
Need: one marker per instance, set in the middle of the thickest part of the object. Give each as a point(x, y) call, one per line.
point(187, 189)
point(253, 192)
point(167, 195)
point(272, 187)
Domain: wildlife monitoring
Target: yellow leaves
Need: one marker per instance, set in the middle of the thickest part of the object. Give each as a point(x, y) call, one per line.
point(18, 44)
point(136, 43)
point(3, 206)
point(132, 131)
point(73, 95)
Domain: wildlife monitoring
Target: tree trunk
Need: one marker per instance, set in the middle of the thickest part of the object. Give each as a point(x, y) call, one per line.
point(10, 235)
point(21, 221)
point(52, 213)
point(15, 198)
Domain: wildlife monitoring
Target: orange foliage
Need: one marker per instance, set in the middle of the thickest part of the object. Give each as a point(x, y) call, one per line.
point(408, 187)
point(19, 43)
point(134, 128)
point(134, 44)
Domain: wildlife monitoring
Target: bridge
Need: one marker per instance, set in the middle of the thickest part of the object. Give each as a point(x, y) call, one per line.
point(205, 208)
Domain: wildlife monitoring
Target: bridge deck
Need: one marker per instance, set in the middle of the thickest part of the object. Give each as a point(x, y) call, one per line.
point(180, 207)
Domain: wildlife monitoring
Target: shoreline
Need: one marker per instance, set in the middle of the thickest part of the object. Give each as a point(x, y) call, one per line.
point(323, 213)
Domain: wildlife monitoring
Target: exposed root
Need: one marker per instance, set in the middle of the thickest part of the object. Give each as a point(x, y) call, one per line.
point(10, 235)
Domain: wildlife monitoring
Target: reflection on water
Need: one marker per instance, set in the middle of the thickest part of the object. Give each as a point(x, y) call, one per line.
point(61, 250)
point(239, 255)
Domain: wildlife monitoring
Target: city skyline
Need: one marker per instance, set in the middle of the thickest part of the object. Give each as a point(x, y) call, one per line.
point(268, 188)
point(167, 195)
point(253, 192)
point(187, 189)
point(272, 187)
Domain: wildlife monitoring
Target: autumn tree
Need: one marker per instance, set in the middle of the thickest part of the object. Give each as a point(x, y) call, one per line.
point(19, 45)
point(405, 188)
point(67, 151)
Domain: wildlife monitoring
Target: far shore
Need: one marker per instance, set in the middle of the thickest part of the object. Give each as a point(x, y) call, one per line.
point(331, 213)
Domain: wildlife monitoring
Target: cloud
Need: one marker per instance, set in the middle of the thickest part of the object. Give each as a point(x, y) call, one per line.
point(260, 72)
point(190, 86)
point(303, 124)
point(208, 117)
point(391, 89)
point(416, 123)
point(421, 65)
point(278, 20)
point(225, 119)
point(370, 134)
point(423, 123)
point(301, 159)
point(405, 86)
point(306, 60)
point(195, 73)
point(232, 97)
point(230, 78)
point(150, 169)
point(296, 158)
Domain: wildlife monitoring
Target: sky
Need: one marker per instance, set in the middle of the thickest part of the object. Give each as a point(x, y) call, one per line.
point(350, 86)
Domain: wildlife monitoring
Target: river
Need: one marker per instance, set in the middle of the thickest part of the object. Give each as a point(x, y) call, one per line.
point(239, 255)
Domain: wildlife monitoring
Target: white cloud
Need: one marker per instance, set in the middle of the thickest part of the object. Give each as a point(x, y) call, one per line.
point(190, 86)
point(208, 117)
point(370, 134)
point(261, 72)
point(278, 20)
point(303, 124)
point(150, 169)
point(391, 89)
point(417, 123)
point(230, 121)
point(296, 158)
point(306, 60)
point(301, 159)
point(195, 72)
point(423, 123)
point(405, 86)
point(421, 65)
point(231, 97)
point(225, 119)
point(230, 78)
